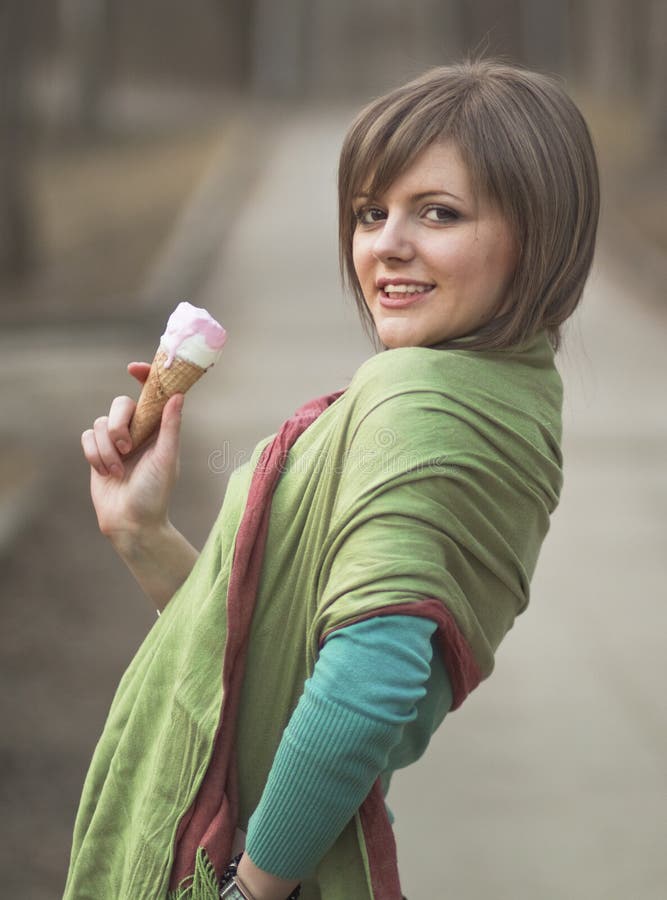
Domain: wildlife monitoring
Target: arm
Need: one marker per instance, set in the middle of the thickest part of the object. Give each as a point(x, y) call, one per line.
point(131, 493)
point(365, 688)
point(160, 560)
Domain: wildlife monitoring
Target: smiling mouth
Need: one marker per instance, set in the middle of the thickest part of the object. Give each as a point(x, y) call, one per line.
point(396, 296)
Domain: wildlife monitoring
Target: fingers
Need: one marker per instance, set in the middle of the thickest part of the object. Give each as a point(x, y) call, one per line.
point(90, 451)
point(109, 437)
point(100, 451)
point(118, 425)
point(139, 370)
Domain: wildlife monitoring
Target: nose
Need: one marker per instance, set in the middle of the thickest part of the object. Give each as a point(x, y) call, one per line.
point(393, 241)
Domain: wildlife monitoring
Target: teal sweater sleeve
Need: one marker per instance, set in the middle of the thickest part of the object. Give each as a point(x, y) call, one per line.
point(365, 689)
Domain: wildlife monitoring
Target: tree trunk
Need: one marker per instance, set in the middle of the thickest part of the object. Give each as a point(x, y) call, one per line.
point(544, 27)
point(86, 29)
point(490, 27)
point(610, 57)
point(279, 47)
point(439, 40)
point(236, 40)
point(16, 236)
point(657, 70)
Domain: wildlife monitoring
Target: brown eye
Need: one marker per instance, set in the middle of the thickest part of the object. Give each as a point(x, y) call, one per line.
point(369, 215)
point(441, 214)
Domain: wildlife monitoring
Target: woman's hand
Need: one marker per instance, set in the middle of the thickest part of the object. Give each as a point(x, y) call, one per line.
point(131, 492)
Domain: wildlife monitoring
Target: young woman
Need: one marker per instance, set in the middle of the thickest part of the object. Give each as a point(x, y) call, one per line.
point(370, 557)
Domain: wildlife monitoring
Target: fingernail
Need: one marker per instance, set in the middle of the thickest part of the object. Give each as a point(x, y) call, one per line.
point(122, 446)
point(116, 471)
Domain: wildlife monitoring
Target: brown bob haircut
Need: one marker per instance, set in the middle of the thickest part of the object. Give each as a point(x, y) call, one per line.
point(528, 151)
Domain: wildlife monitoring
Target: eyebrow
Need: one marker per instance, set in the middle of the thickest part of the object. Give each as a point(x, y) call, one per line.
point(415, 197)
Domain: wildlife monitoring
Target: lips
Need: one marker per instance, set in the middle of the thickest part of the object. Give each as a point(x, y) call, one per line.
point(397, 293)
point(383, 283)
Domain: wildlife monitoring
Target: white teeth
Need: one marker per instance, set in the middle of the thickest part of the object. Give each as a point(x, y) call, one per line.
point(406, 288)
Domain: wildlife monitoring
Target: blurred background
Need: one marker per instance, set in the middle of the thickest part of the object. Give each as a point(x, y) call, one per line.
point(157, 151)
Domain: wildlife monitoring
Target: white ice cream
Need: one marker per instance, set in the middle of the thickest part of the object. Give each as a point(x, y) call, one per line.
point(194, 335)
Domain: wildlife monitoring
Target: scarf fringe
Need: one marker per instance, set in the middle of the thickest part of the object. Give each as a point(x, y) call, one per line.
point(202, 885)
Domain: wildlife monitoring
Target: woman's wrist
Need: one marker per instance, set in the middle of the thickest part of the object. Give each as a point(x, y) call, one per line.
point(263, 885)
point(159, 557)
point(138, 541)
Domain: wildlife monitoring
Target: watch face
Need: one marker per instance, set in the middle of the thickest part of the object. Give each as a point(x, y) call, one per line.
point(232, 892)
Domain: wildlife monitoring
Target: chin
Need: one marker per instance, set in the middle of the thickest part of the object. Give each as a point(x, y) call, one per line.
point(393, 337)
point(389, 344)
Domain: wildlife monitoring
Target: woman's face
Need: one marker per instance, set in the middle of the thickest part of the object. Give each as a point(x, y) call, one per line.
point(433, 260)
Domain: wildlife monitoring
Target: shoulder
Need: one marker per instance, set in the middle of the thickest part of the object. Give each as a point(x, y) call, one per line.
point(420, 390)
point(424, 366)
point(409, 379)
point(394, 381)
point(398, 408)
point(404, 369)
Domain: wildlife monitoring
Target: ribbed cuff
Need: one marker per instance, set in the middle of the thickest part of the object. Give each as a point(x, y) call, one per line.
point(326, 763)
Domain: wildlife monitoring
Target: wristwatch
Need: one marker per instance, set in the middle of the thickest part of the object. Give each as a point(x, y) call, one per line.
point(232, 888)
point(234, 891)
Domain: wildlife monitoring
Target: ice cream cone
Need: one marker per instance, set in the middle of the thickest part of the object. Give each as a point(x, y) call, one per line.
point(161, 384)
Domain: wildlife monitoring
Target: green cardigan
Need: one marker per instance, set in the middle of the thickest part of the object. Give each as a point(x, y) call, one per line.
point(426, 488)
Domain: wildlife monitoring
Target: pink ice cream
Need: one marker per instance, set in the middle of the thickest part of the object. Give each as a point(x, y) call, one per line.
point(192, 334)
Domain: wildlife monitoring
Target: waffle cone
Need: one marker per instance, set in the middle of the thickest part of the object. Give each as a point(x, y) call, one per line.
point(160, 385)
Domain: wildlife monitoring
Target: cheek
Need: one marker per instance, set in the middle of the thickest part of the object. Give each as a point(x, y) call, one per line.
point(510, 256)
point(481, 260)
point(500, 266)
point(456, 258)
point(501, 252)
point(360, 259)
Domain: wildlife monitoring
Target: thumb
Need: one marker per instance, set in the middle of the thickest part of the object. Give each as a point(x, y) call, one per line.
point(169, 437)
